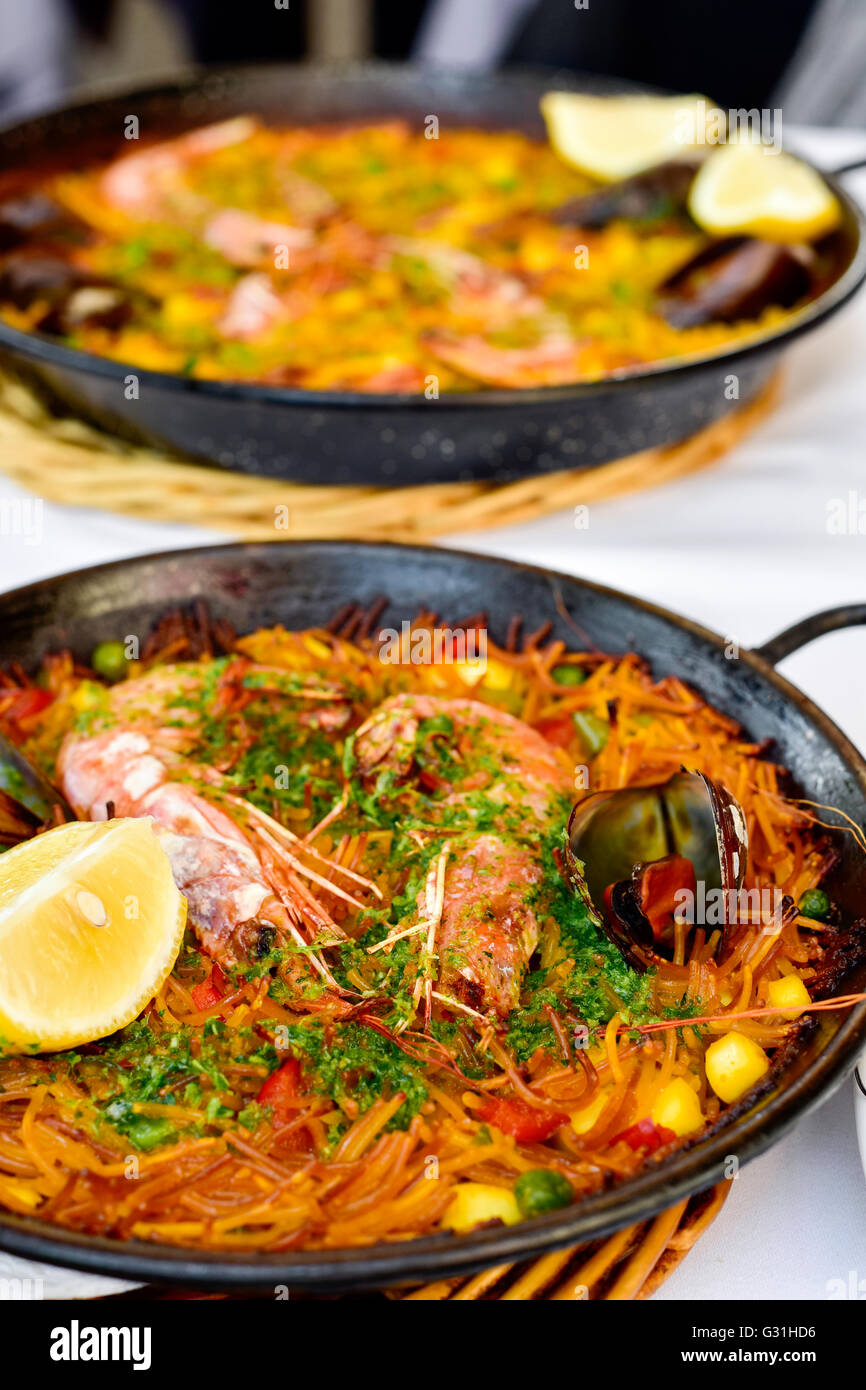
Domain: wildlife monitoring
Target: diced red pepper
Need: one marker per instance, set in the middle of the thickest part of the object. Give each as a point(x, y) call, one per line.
point(430, 782)
point(558, 730)
point(211, 990)
point(659, 885)
point(32, 700)
point(281, 1088)
point(646, 1134)
point(520, 1119)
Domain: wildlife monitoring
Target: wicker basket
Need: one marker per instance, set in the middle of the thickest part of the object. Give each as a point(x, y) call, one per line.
point(631, 1264)
point(64, 460)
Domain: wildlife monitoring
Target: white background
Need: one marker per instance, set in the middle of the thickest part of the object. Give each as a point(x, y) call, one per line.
point(743, 548)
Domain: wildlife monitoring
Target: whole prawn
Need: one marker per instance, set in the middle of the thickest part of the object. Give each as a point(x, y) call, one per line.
point(483, 918)
point(243, 874)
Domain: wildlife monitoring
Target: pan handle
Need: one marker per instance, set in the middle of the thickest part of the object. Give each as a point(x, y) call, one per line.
point(793, 638)
point(851, 168)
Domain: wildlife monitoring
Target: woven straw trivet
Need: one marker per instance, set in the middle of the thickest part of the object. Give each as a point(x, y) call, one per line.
point(629, 1265)
point(64, 460)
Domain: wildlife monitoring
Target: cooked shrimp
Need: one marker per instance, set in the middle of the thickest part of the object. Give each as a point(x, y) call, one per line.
point(121, 772)
point(237, 884)
point(246, 240)
point(148, 698)
point(488, 929)
point(397, 377)
point(140, 182)
point(474, 286)
point(554, 361)
point(253, 308)
point(308, 201)
point(484, 749)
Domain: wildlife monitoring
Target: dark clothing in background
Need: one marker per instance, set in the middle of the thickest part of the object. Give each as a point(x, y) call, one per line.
point(733, 51)
point(244, 31)
point(395, 26)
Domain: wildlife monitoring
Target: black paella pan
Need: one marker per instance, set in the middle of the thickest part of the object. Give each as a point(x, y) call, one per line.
point(344, 437)
point(299, 584)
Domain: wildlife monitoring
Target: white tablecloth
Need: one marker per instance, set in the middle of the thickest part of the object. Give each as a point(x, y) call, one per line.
point(745, 549)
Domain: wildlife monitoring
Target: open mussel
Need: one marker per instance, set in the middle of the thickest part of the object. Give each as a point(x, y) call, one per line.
point(32, 216)
point(638, 854)
point(72, 297)
point(657, 195)
point(27, 798)
point(736, 278)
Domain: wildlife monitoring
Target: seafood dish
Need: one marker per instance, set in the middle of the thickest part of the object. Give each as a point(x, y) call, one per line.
point(367, 257)
point(473, 931)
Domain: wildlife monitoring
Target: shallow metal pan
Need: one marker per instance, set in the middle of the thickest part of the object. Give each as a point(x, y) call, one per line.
point(307, 582)
point(345, 437)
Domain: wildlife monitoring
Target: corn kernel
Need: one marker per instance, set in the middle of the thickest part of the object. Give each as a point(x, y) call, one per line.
point(476, 1202)
point(318, 648)
point(498, 675)
point(349, 301)
point(583, 1120)
point(678, 1108)
point(470, 672)
point(18, 1195)
point(540, 253)
point(788, 993)
point(188, 310)
point(734, 1063)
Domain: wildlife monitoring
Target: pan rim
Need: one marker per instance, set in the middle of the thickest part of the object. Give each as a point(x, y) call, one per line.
point(48, 351)
point(689, 1172)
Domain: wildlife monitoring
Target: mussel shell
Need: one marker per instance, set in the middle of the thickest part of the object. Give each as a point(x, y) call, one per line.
point(17, 821)
point(31, 216)
point(31, 274)
point(707, 826)
point(612, 831)
point(656, 195)
point(736, 278)
point(611, 834)
point(25, 790)
point(628, 928)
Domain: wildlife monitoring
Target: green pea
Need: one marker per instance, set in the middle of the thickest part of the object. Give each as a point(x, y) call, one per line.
point(144, 1131)
point(815, 904)
point(594, 732)
point(147, 1133)
point(568, 675)
point(541, 1190)
point(109, 661)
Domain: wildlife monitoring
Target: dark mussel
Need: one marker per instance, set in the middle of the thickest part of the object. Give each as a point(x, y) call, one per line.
point(32, 274)
point(657, 195)
point(27, 798)
point(73, 297)
point(631, 853)
point(736, 278)
point(28, 216)
point(17, 821)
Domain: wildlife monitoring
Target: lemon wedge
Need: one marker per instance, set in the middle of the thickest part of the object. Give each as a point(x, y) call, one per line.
point(614, 137)
point(756, 190)
point(90, 925)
